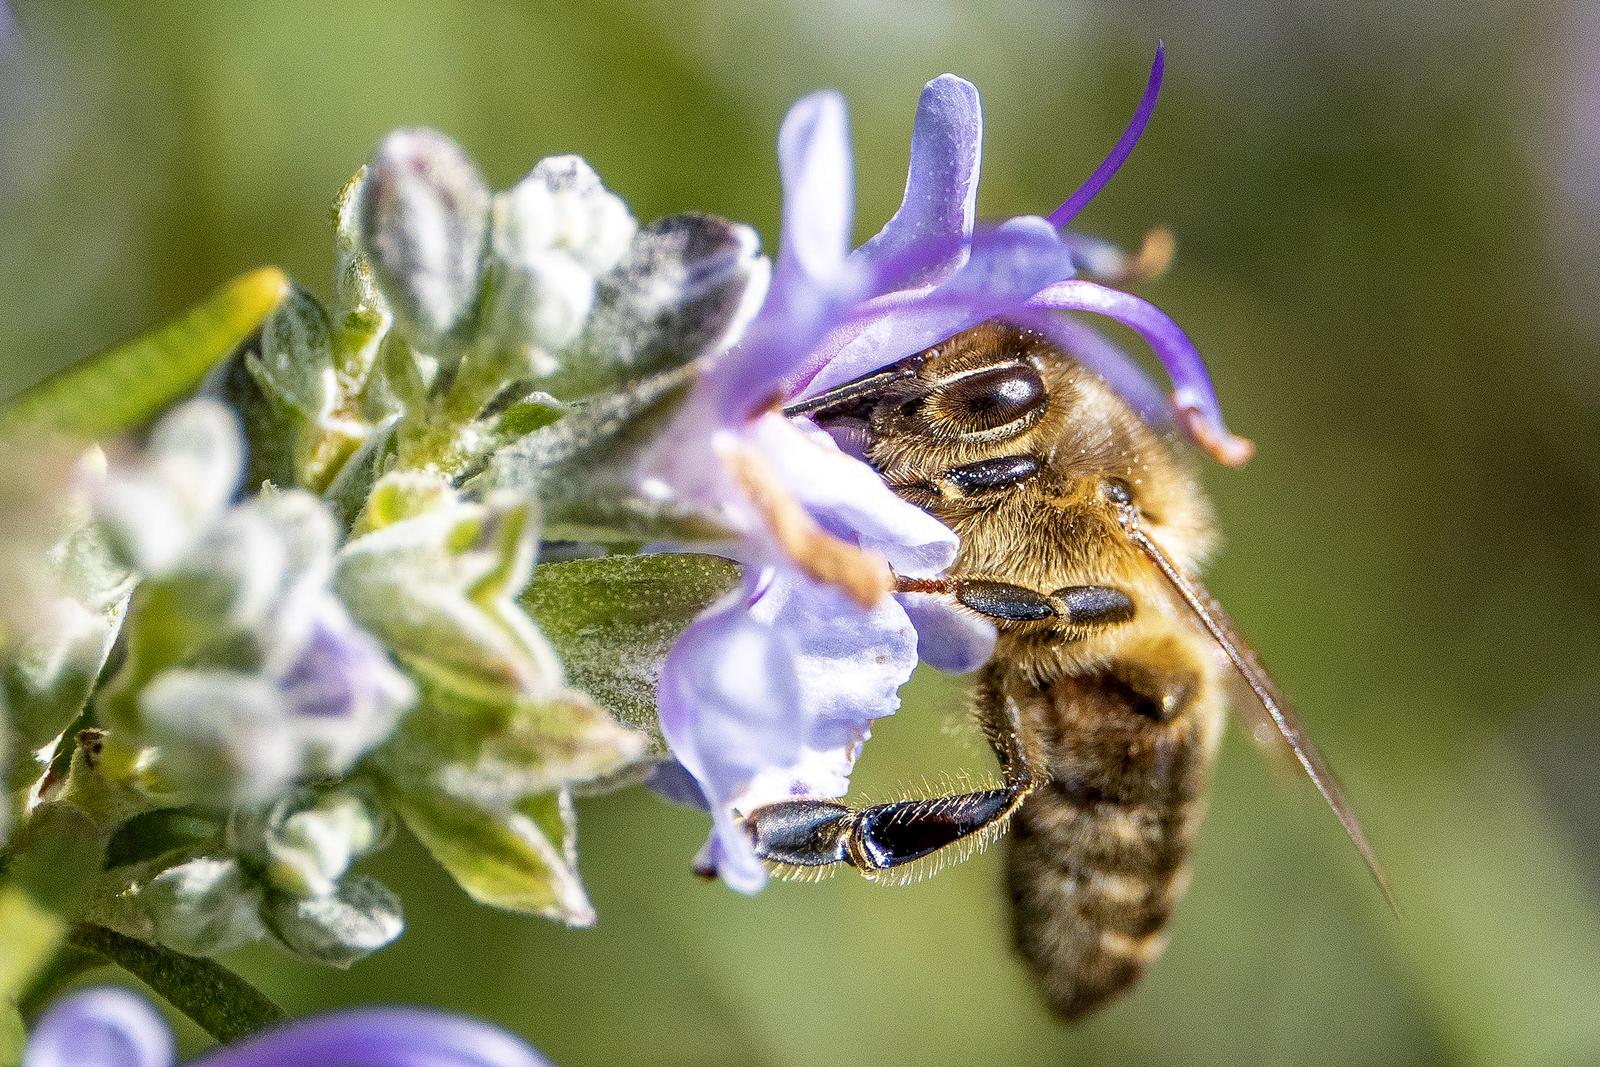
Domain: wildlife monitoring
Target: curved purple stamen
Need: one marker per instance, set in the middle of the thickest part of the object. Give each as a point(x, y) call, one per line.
point(111, 1027)
point(1193, 398)
point(1120, 151)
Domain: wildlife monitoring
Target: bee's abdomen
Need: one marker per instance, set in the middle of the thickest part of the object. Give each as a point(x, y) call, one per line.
point(1100, 850)
point(1090, 905)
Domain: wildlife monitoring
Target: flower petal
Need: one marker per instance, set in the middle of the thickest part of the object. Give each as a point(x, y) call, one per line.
point(850, 665)
point(942, 182)
point(379, 1037)
point(1008, 264)
point(950, 638)
point(728, 700)
point(775, 701)
point(818, 192)
point(811, 285)
point(100, 1028)
point(849, 500)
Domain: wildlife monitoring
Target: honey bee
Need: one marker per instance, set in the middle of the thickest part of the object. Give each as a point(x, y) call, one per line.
point(1081, 530)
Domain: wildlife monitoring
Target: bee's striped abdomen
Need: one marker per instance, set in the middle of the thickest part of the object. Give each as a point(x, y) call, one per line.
point(1100, 850)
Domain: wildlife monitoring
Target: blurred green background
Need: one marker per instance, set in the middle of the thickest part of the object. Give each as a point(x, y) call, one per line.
point(1386, 221)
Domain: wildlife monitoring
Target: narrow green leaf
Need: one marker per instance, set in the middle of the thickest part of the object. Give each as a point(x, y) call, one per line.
point(522, 859)
point(612, 621)
point(57, 855)
point(580, 468)
point(12, 1035)
point(125, 386)
point(222, 1003)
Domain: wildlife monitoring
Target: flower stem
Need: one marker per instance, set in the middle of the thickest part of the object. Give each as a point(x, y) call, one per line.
point(223, 1004)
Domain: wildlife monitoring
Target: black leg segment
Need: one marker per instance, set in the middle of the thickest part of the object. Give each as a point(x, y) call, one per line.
point(815, 833)
point(1075, 605)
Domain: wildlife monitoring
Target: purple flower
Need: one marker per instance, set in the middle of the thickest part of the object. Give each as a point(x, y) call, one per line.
point(111, 1027)
point(771, 693)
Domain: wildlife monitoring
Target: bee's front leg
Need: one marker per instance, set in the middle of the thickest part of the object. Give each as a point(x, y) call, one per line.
point(814, 833)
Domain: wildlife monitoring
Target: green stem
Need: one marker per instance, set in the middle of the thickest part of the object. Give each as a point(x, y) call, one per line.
point(223, 1004)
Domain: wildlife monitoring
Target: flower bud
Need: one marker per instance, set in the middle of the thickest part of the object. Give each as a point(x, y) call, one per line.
point(294, 365)
point(233, 737)
point(156, 505)
point(553, 234)
point(424, 212)
point(308, 850)
point(439, 589)
point(362, 917)
point(202, 907)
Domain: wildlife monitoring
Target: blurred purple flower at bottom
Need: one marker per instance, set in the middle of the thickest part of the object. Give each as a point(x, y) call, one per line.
point(771, 693)
point(110, 1027)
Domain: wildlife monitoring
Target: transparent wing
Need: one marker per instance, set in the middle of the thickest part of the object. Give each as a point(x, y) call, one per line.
point(1276, 718)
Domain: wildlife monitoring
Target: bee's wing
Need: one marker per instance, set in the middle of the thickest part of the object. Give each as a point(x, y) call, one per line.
point(1272, 719)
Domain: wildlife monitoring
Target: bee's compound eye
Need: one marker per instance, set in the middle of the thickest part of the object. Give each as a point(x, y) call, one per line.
point(1116, 490)
point(995, 397)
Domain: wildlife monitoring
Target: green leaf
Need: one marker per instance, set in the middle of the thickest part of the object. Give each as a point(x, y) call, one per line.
point(581, 469)
point(521, 858)
point(612, 621)
point(13, 1035)
point(484, 788)
point(223, 1004)
point(126, 386)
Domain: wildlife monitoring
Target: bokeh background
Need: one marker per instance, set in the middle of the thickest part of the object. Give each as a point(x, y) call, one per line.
point(1387, 218)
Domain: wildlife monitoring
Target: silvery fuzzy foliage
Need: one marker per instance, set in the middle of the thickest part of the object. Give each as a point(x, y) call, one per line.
point(280, 872)
point(366, 599)
point(244, 672)
point(424, 219)
point(553, 235)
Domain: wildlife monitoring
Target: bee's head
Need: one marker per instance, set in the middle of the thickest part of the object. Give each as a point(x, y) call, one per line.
point(999, 422)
